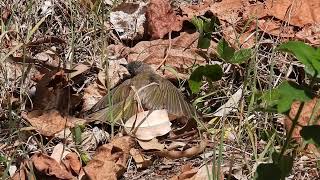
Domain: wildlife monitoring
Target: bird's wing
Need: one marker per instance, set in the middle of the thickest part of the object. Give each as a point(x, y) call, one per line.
point(121, 110)
point(116, 95)
point(162, 94)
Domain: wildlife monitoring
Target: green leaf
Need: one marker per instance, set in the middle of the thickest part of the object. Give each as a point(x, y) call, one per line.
point(212, 72)
point(204, 41)
point(225, 52)
point(306, 54)
point(241, 56)
point(76, 132)
point(210, 25)
point(198, 23)
point(281, 98)
point(268, 171)
point(311, 134)
point(285, 164)
point(195, 79)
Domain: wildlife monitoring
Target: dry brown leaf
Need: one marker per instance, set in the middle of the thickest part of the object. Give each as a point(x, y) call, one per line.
point(161, 19)
point(191, 152)
point(48, 123)
point(109, 161)
point(182, 55)
point(72, 162)
point(51, 92)
point(187, 171)
point(304, 120)
point(140, 160)
point(297, 13)
point(202, 173)
point(276, 28)
point(92, 94)
point(79, 69)
point(152, 144)
point(115, 74)
point(148, 124)
point(310, 34)
point(304, 117)
point(47, 165)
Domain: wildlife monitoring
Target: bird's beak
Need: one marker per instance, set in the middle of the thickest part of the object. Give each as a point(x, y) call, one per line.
point(124, 65)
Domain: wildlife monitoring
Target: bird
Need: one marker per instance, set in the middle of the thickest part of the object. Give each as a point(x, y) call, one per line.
point(144, 89)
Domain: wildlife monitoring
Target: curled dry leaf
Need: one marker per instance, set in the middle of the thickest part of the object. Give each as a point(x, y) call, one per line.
point(193, 151)
point(140, 160)
point(128, 20)
point(47, 165)
point(109, 161)
point(148, 124)
point(48, 123)
point(161, 19)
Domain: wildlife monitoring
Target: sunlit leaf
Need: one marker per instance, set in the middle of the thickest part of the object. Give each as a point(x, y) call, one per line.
point(281, 98)
point(306, 54)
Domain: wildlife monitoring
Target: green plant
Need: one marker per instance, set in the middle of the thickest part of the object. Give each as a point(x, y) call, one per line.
point(280, 99)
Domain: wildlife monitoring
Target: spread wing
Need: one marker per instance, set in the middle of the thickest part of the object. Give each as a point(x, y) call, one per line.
point(115, 96)
point(162, 94)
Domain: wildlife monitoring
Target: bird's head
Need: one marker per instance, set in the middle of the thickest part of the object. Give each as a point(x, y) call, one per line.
point(136, 67)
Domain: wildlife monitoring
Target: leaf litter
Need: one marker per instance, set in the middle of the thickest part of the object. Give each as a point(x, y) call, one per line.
point(158, 36)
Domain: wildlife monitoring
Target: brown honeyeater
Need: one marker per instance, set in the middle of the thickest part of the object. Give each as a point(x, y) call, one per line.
point(145, 88)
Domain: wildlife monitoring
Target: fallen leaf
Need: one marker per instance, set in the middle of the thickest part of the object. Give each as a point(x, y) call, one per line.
point(297, 13)
point(161, 19)
point(187, 171)
point(49, 123)
point(231, 105)
point(140, 160)
point(72, 162)
point(203, 173)
point(152, 144)
point(182, 56)
point(304, 118)
point(128, 19)
point(310, 34)
point(47, 165)
point(59, 152)
point(79, 69)
point(148, 124)
point(115, 74)
point(92, 94)
point(109, 161)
